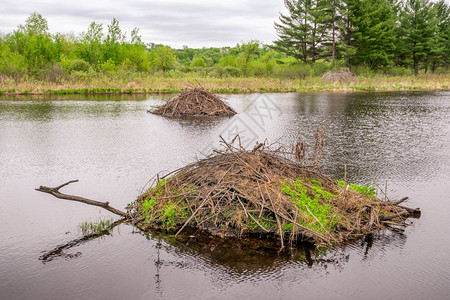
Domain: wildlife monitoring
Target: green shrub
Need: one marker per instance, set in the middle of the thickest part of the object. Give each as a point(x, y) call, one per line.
point(12, 63)
point(362, 71)
point(257, 68)
point(198, 62)
point(80, 75)
point(108, 67)
point(398, 71)
point(300, 70)
point(79, 65)
point(232, 71)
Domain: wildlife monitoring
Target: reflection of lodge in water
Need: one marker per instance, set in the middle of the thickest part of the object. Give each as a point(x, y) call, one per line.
point(239, 258)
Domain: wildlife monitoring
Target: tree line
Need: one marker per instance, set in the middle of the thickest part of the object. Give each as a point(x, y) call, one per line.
point(315, 36)
point(32, 51)
point(375, 33)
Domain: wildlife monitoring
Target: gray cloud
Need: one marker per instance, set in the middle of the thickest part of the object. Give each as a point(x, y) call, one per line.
point(174, 22)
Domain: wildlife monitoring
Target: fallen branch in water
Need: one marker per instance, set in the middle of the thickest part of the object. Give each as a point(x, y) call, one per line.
point(55, 192)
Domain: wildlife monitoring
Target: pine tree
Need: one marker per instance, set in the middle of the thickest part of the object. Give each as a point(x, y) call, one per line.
point(441, 49)
point(417, 31)
point(319, 17)
point(304, 32)
point(346, 30)
point(333, 31)
point(375, 23)
point(293, 30)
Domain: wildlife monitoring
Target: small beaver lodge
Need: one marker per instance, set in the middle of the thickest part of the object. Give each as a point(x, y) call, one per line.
point(264, 192)
point(195, 102)
point(338, 76)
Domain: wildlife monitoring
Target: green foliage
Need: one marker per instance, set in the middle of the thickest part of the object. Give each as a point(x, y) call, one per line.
point(293, 30)
point(227, 61)
point(96, 227)
point(300, 70)
point(371, 35)
point(90, 46)
point(374, 24)
point(441, 42)
point(35, 24)
point(312, 202)
point(136, 39)
point(232, 71)
point(163, 58)
point(362, 189)
point(172, 216)
point(363, 70)
point(198, 62)
point(108, 66)
point(11, 63)
point(113, 41)
point(417, 39)
point(79, 65)
point(269, 224)
point(148, 204)
point(397, 71)
point(147, 207)
point(305, 33)
point(247, 55)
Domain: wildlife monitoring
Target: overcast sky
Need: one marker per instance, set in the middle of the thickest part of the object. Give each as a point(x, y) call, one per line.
point(195, 23)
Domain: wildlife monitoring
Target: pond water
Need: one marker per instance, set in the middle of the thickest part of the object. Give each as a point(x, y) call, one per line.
point(113, 146)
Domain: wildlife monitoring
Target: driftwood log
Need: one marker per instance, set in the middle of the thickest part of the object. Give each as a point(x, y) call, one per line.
point(55, 192)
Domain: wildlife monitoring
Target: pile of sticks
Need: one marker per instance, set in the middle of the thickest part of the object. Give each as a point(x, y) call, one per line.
point(195, 102)
point(237, 192)
point(338, 76)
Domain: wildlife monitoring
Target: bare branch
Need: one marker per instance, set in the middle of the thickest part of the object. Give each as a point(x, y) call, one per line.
point(55, 192)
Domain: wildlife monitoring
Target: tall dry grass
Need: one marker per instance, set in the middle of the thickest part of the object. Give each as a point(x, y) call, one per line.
point(159, 83)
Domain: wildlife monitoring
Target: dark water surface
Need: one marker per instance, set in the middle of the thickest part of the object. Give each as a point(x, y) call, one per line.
point(113, 146)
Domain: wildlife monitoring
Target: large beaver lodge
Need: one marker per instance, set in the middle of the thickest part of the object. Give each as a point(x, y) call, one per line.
point(195, 102)
point(264, 192)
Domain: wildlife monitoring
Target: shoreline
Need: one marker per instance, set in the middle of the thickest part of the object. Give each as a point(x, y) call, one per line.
point(161, 85)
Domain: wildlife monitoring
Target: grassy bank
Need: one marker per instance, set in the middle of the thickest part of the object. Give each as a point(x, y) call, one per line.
point(148, 84)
